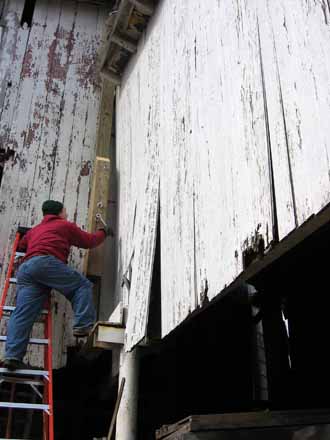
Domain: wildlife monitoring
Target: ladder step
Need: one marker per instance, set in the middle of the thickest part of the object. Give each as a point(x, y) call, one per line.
point(36, 341)
point(12, 308)
point(13, 280)
point(24, 405)
point(20, 381)
point(43, 373)
point(20, 254)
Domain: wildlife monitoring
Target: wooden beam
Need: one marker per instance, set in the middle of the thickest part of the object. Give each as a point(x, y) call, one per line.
point(106, 116)
point(118, 14)
point(112, 77)
point(144, 6)
point(115, 412)
point(98, 205)
point(104, 336)
point(109, 335)
point(124, 42)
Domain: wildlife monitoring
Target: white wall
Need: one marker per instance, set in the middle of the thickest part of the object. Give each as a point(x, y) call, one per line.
point(49, 111)
point(217, 89)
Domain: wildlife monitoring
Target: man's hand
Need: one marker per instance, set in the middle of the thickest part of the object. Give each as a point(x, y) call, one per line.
point(108, 231)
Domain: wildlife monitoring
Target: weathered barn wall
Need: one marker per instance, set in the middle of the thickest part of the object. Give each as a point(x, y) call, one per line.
point(230, 101)
point(49, 113)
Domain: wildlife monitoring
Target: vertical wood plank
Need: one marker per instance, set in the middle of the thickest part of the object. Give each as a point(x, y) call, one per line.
point(138, 134)
point(16, 183)
point(284, 188)
point(12, 49)
point(97, 205)
point(301, 40)
point(47, 113)
point(177, 186)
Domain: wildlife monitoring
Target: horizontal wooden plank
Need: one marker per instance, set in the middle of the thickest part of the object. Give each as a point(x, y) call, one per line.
point(234, 421)
point(144, 6)
point(320, 432)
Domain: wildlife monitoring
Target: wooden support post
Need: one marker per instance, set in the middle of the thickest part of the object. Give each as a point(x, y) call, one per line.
point(98, 205)
point(126, 428)
point(124, 42)
point(114, 417)
point(276, 349)
point(106, 116)
point(144, 6)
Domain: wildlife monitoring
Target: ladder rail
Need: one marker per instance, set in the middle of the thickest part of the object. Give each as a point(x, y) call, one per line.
point(10, 411)
point(30, 376)
point(8, 275)
point(49, 363)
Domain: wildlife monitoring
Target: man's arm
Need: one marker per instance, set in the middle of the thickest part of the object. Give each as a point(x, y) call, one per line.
point(83, 239)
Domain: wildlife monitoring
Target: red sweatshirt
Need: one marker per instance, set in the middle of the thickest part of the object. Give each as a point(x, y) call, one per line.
point(54, 236)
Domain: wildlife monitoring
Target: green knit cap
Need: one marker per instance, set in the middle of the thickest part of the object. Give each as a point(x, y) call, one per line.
point(52, 207)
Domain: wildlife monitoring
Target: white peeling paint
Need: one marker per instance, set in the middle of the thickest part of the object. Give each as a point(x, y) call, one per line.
point(49, 117)
point(232, 88)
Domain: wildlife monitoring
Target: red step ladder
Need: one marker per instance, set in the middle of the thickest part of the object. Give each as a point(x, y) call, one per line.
point(39, 382)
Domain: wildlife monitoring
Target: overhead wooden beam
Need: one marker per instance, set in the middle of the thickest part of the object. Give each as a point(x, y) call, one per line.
point(118, 14)
point(124, 42)
point(144, 6)
point(112, 77)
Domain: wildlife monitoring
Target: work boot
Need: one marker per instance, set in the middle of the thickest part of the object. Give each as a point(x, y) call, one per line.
point(14, 364)
point(82, 332)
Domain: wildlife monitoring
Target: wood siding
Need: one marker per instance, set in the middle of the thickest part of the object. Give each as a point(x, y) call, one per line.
point(233, 98)
point(49, 101)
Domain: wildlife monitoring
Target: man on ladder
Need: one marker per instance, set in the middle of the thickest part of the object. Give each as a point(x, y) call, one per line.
point(44, 267)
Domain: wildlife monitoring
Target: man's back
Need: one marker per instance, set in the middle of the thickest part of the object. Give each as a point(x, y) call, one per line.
point(54, 236)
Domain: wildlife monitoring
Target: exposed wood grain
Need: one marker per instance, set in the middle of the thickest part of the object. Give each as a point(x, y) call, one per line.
point(98, 204)
point(106, 116)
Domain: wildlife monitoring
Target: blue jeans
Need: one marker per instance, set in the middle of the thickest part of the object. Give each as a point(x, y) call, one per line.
point(35, 279)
